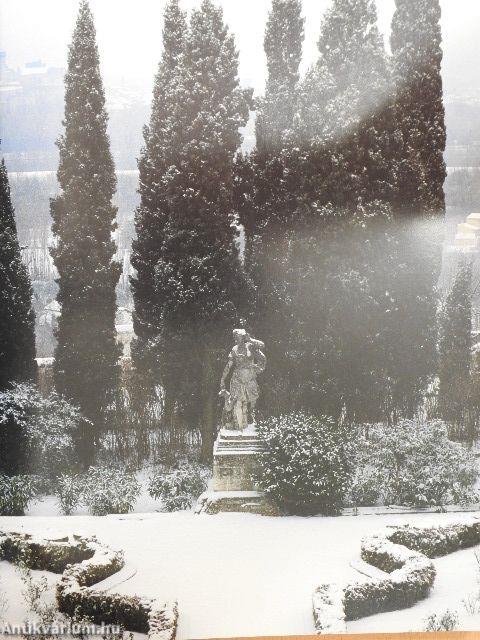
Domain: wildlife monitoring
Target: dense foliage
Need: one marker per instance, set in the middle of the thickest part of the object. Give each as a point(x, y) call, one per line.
point(199, 286)
point(83, 221)
point(283, 48)
point(412, 463)
point(17, 337)
point(16, 494)
point(416, 41)
point(307, 463)
point(345, 286)
point(37, 433)
point(109, 490)
point(178, 489)
point(454, 362)
point(69, 489)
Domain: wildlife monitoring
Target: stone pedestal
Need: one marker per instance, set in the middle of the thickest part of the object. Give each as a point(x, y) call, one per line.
point(234, 465)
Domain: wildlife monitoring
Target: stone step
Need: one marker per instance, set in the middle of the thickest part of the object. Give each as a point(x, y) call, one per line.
point(214, 502)
point(237, 450)
point(239, 445)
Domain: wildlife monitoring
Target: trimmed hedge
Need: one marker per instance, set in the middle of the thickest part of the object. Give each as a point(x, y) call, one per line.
point(83, 562)
point(43, 555)
point(438, 541)
point(402, 552)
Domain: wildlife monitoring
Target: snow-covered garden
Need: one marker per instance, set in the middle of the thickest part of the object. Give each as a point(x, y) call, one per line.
point(242, 574)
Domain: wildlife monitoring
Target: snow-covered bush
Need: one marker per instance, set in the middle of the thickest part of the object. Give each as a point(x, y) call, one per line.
point(438, 541)
point(69, 492)
point(180, 488)
point(109, 490)
point(447, 621)
point(16, 493)
point(405, 554)
point(46, 425)
point(412, 463)
point(365, 487)
point(306, 467)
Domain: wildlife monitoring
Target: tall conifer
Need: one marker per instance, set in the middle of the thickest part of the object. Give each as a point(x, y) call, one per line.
point(454, 349)
point(416, 41)
point(17, 321)
point(346, 108)
point(158, 155)
point(283, 48)
point(199, 288)
point(86, 357)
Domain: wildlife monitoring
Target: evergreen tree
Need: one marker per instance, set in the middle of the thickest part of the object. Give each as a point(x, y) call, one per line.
point(266, 191)
point(17, 321)
point(454, 350)
point(86, 357)
point(419, 112)
point(157, 156)
point(265, 196)
point(345, 110)
point(200, 289)
point(283, 48)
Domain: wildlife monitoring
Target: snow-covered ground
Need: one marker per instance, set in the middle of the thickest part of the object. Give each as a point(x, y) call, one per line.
point(458, 580)
point(14, 609)
point(241, 574)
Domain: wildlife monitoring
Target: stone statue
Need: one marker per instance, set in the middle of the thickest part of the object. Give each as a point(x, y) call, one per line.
point(247, 360)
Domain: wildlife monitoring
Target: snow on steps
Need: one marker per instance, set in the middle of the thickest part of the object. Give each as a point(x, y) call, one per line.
point(410, 573)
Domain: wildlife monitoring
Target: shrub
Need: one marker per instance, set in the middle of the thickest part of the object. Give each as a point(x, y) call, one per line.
point(16, 493)
point(306, 466)
point(413, 463)
point(109, 490)
point(365, 488)
point(448, 621)
point(46, 428)
point(404, 553)
point(69, 493)
point(180, 488)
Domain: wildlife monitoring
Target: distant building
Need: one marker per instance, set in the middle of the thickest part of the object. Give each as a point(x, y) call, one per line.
point(468, 234)
point(31, 104)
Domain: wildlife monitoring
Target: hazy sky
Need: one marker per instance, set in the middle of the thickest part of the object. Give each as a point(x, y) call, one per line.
point(129, 36)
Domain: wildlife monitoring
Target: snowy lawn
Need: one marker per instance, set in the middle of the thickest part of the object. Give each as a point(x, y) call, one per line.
point(241, 574)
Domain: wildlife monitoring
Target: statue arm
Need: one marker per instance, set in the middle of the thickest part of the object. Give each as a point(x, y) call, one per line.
point(225, 373)
point(261, 361)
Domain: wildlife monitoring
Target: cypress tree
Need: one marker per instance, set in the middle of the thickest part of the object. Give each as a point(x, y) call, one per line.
point(86, 357)
point(345, 109)
point(419, 112)
point(200, 290)
point(17, 321)
point(268, 189)
point(454, 350)
point(157, 156)
point(283, 48)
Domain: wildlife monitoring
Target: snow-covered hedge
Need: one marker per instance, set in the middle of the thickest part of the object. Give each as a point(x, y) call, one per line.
point(83, 563)
point(306, 465)
point(438, 541)
point(43, 555)
point(404, 554)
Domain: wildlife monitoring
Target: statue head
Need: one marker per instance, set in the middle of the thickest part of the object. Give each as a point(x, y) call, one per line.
point(240, 336)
